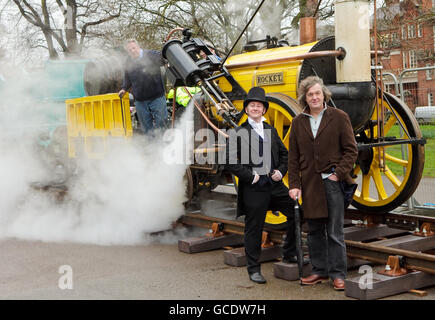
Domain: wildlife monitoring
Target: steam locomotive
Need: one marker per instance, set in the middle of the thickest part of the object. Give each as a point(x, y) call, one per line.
point(391, 148)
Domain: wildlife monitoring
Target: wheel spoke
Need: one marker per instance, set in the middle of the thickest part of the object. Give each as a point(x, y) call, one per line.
point(402, 162)
point(379, 184)
point(279, 123)
point(392, 177)
point(286, 139)
point(389, 124)
point(365, 188)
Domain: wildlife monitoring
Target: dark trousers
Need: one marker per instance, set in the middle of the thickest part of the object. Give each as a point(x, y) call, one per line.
point(326, 236)
point(257, 202)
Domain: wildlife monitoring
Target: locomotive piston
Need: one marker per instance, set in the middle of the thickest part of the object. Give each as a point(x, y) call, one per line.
point(183, 70)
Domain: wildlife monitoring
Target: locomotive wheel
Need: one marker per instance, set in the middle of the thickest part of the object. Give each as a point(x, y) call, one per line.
point(381, 190)
point(282, 110)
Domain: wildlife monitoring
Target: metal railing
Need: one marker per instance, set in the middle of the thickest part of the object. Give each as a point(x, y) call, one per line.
point(412, 203)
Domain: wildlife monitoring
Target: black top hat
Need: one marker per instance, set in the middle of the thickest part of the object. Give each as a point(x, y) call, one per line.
point(256, 94)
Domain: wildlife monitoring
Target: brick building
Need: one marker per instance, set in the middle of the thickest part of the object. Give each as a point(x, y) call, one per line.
point(406, 32)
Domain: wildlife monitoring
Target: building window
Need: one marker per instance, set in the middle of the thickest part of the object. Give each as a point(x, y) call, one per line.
point(411, 31)
point(405, 60)
point(412, 59)
point(384, 40)
point(434, 37)
point(404, 32)
point(419, 30)
point(394, 38)
point(429, 72)
point(430, 99)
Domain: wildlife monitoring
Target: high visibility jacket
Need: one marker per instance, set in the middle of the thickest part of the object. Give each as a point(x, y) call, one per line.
point(183, 97)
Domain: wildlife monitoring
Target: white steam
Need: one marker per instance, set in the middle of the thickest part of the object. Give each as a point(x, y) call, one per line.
point(115, 200)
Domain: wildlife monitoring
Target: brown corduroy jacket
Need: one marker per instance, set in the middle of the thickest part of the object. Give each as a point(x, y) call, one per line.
point(334, 146)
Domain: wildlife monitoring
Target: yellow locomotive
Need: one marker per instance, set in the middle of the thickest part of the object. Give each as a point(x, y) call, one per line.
point(391, 147)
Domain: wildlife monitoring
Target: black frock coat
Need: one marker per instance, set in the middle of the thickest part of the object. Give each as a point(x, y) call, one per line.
point(244, 169)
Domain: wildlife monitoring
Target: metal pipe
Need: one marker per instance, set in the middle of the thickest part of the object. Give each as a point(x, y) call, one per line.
point(396, 83)
point(307, 30)
point(378, 110)
point(173, 106)
point(172, 32)
point(205, 116)
point(420, 207)
point(308, 55)
point(406, 71)
point(381, 80)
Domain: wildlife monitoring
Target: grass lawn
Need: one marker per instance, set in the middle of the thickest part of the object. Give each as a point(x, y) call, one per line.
point(428, 132)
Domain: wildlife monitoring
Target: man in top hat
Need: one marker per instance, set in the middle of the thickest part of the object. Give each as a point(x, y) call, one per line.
point(257, 156)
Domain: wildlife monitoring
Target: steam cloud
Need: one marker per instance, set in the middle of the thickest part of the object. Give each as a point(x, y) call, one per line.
point(115, 200)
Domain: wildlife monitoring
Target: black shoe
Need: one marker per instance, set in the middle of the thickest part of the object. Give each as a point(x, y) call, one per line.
point(257, 277)
point(294, 259)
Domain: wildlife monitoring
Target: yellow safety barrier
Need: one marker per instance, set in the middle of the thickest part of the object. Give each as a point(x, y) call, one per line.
point(91, 120)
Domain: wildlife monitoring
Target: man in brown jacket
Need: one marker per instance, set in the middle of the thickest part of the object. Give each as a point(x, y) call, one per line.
point(322, 152)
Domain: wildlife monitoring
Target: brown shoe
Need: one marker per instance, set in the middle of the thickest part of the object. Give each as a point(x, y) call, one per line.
point(338, 284)
point(313, 279)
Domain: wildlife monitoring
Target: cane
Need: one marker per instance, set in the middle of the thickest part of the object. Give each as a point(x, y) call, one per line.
point(299, 251)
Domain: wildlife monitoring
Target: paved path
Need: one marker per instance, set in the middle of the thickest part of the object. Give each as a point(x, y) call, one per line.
point(30, 270)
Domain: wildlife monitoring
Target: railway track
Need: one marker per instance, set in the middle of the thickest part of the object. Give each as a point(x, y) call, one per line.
point(402, 243)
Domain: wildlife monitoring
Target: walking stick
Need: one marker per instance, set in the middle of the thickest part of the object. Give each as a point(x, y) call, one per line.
point(299, 251)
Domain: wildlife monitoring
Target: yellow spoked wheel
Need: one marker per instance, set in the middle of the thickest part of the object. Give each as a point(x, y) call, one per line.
point(388, 176)
point(282, 110)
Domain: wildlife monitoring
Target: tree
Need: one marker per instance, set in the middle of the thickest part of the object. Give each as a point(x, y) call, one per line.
point(217, 21)
point(77, 16)
point(313, 8)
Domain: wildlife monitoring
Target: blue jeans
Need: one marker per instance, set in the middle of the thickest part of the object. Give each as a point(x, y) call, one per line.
point(152, 114)
point(326, 236)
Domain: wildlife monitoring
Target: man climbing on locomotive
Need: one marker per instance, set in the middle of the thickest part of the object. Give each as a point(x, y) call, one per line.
point(143, 77)
point(323, 151)
point(257, 156)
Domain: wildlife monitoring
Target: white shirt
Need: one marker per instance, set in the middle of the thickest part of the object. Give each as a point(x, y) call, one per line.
point(258, 126)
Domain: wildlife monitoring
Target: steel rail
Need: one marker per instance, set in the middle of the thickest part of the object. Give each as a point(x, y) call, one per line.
point(386, 218)
point(228, 226)
point(376, 253)
point(366, 251)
